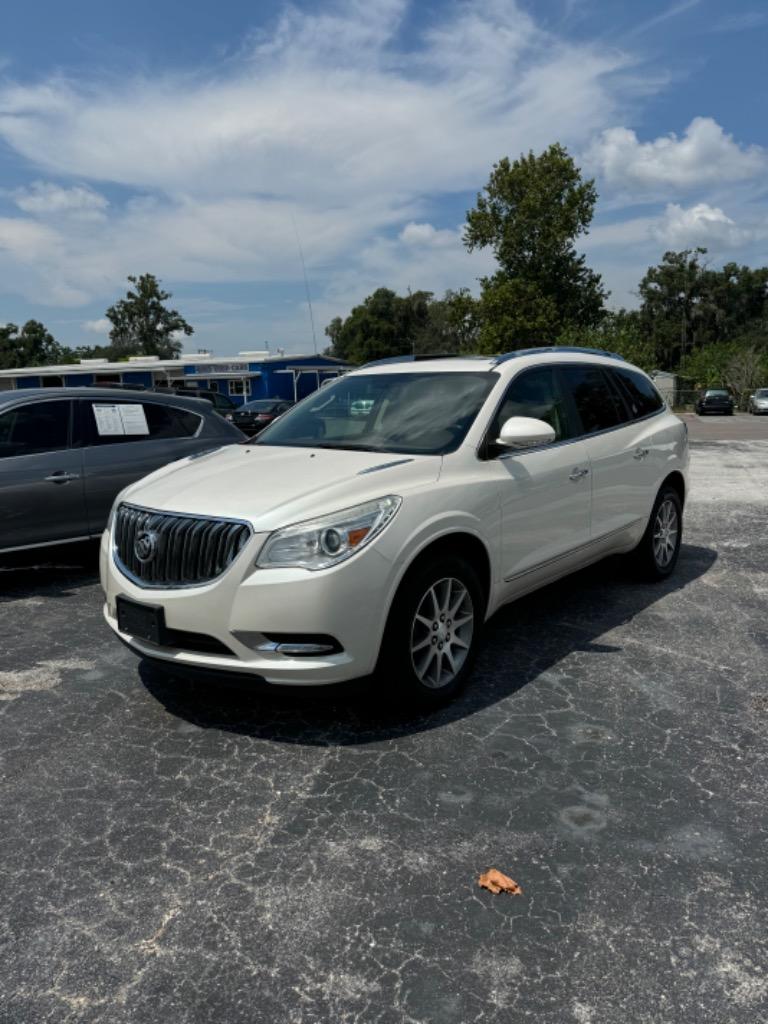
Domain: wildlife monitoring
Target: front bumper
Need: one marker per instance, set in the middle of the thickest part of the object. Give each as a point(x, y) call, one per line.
point(349, 602)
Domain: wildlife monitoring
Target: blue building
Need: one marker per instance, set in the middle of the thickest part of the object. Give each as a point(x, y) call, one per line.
point(243, 377)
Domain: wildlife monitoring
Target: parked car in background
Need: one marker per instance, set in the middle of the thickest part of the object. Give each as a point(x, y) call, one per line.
point(758, 403)
point(335, 545)
point(714, 400)
point(223, 404)
point(254, 416)
point(66, 452)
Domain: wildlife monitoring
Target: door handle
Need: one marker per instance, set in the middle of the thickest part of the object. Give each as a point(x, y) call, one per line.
point(640, 453)
point(61, 477)
point(578, 473)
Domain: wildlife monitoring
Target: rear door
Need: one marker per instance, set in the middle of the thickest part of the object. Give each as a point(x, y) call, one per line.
point(125, 440)
point(545, 491)
point(41, 475)
point(614, 442)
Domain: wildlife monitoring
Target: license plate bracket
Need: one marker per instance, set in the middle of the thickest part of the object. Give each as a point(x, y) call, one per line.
point(142, 621)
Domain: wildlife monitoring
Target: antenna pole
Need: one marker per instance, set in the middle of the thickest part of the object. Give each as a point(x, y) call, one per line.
point(306, 283)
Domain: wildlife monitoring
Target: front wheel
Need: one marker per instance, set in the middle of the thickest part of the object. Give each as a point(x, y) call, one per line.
point(433, 631)
point(657, 553)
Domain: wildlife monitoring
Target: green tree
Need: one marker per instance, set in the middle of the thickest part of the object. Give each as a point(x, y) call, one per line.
point(387, 324)
point(452, 325)
point(688, 306)
point(529, 214)
point(619, 331)
point(143, 325)
point(31, 345)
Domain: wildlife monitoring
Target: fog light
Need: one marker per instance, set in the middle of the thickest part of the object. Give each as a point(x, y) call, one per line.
point(292, 645)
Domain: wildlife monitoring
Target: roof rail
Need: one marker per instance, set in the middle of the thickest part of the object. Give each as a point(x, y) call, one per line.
point(505, 356)
point(412, 359)
point(389, 359)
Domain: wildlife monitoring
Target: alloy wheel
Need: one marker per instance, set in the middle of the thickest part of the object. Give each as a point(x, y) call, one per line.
point(665, 532)
point(441, 633)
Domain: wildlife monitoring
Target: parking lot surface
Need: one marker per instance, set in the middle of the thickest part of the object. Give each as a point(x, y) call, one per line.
point(739, 427)
point(178, 853)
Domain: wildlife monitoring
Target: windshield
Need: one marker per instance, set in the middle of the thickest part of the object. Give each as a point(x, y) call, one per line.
point(414, 413)
point(717, 394)
point(261, 405)
point(762, 393)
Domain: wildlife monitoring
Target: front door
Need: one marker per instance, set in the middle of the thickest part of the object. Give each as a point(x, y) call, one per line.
point(41, 476)
point(545, 491)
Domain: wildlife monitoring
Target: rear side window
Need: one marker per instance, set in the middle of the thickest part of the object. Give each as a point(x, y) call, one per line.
point(534, 393)
point(119, 422)
point(597, 405)
point(640, 395)
point(34, 428)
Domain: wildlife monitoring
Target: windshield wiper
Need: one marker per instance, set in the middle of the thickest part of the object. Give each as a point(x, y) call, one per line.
point(347, 447)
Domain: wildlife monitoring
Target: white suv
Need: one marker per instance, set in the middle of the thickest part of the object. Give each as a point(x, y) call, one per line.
point(341, 544)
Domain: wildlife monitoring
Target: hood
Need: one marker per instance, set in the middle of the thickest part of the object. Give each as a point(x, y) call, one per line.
point(274, 486)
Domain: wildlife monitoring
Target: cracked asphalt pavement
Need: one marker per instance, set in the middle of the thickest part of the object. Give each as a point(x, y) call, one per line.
point(173, 852)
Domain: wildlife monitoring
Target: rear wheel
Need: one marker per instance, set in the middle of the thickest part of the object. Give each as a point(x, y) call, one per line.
point(433, 631)
point(657, 553)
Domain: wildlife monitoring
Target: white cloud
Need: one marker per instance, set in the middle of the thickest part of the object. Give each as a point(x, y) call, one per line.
point(426, 235)
point(324, 119)
point(45, 197)
point(658, 19)
point(704, 155)
point(701, 224)
point(329, 121)
point(102, 326)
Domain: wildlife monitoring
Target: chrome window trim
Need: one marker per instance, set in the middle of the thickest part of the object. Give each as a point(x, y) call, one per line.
point(555, 444)
point(181, 515)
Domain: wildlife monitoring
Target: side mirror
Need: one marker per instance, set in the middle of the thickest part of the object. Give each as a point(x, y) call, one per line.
point(524, 432)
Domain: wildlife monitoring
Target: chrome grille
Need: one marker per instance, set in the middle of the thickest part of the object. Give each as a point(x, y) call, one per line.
point(165, 549)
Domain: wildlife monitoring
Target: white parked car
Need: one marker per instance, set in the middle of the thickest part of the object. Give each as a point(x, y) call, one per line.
point(758, 403)
point(338, 545)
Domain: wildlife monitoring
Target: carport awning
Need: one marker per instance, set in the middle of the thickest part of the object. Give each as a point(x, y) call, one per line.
point(239, 375)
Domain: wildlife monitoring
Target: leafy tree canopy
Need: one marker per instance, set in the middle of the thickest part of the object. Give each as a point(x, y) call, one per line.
point(619, 332)
point(30, 345)
point(386, 324)
point(143, 325)
point(529, 214)
point(687, 306)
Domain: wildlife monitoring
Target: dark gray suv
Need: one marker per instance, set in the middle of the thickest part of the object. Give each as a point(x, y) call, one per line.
point(65, 453)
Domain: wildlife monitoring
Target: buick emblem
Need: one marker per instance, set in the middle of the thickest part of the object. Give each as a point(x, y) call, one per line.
point(145, 546)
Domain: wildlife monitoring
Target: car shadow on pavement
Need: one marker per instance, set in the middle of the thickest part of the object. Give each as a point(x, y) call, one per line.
point(522, 641)
point(48, 572)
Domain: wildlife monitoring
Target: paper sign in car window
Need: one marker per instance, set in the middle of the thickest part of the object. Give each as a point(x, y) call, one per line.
point(134, 419)
point(108, 420)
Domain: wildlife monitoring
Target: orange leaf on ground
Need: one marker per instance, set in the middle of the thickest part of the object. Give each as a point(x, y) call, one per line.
point(496, 882)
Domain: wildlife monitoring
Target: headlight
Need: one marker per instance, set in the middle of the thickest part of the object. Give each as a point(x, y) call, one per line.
point(321, 543)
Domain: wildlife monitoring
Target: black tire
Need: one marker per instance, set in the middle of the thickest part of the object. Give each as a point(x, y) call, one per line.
point(397, 665)
point(650, 563)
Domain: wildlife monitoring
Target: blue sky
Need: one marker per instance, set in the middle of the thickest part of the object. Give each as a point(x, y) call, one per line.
point(198, 141)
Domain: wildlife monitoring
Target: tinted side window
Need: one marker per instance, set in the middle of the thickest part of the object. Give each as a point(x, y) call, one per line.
point(37, 427)
point(120, 422)
point(640, 395)
point(595, 402)
point(534, 393)
point(168, 421)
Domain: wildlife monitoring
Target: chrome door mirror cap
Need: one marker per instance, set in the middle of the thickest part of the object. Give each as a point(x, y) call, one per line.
point(525, 432)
